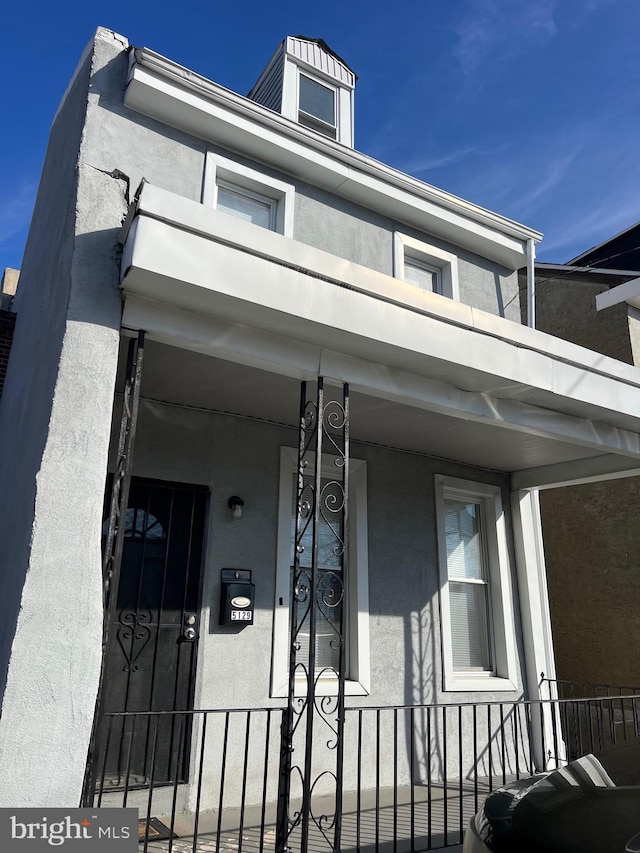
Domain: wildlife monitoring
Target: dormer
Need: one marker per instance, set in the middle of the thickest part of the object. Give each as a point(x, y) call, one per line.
point(309, 83)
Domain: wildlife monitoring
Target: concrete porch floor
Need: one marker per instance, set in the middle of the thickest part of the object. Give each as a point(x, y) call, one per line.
point(386, 829)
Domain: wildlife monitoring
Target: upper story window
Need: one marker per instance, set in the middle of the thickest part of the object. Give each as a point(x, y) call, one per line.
point(247, 194)
point(426, 266)
point(424, 275)
point(317, 106)
point(247, 205)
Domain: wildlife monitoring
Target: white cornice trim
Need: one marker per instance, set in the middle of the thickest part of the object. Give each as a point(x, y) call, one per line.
point(171, 93)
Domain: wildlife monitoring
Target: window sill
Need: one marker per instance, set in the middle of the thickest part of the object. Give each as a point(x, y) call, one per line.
point(460, 683)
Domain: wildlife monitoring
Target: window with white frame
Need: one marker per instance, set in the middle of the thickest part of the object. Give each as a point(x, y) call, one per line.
point(248, 194)
point(425, 266)
point(424, 275)
point(317, 105)
point(478, 645)
point(247, 205)
point(354, 603)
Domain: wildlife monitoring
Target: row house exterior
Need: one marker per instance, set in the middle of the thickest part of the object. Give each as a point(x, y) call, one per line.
point(303, 378)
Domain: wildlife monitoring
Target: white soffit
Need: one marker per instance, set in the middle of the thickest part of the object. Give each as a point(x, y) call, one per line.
point(187, 374)
point(628, 292)
point(182, 99)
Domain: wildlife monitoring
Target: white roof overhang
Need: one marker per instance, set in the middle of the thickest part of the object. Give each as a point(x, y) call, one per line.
point(628, 292)
point(176, 96)
point(436, 376)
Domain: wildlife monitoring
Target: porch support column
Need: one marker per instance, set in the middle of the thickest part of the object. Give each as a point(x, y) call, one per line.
point(535, 617)
point(311, 757)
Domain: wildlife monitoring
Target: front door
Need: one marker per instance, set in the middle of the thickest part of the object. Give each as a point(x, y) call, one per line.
point(150, 662)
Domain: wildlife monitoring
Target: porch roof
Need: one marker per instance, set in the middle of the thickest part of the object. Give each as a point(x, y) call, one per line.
point(430, 374)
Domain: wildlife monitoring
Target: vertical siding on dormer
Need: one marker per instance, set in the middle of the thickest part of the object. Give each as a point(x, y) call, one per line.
point(268, 90)
point(314, 55)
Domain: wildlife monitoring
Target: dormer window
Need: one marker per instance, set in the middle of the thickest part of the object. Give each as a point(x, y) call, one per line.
point(317, 106)
point(308, 83)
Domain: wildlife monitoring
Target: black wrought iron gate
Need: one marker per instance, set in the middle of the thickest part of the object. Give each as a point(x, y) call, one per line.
point(153, 544)
point(311, 762)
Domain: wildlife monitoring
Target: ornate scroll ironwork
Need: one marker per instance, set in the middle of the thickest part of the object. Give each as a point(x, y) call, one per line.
point(112, 555)
point(311, 765)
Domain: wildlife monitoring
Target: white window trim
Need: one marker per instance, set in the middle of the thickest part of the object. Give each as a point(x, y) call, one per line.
point(358, 602)
point(504, 677)
point(292, 69)
point(432, 256)
point(336, 103)
point(235, 175)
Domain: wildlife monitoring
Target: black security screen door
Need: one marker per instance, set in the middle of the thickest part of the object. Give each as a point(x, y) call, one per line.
point(150, 661)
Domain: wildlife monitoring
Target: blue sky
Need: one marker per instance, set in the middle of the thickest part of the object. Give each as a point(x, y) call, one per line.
point(527, 107)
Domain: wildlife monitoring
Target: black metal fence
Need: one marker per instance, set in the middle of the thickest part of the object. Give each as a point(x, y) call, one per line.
point(593, 716)
point(551, 688)
point(413, 775)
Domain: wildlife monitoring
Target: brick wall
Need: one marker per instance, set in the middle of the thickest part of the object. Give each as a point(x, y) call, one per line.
point(7, 323)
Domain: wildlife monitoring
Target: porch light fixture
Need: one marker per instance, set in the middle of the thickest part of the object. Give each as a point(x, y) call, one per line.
point(235, 505)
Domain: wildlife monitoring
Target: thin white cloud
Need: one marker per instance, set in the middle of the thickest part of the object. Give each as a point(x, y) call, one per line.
point(555, 171)
point(610, 217)
point(494, 31)
point(594, 5)
point(417, 167)
point(16, 208)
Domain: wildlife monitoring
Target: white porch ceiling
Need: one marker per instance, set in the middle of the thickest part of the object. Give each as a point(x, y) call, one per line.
point(187, 378)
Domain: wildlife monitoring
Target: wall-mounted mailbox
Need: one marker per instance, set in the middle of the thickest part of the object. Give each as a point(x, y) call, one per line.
point(237, 597)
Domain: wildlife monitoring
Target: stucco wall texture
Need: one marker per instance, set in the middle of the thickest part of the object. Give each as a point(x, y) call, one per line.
point(592, 546)
point(58, 399)
point(567, 309)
